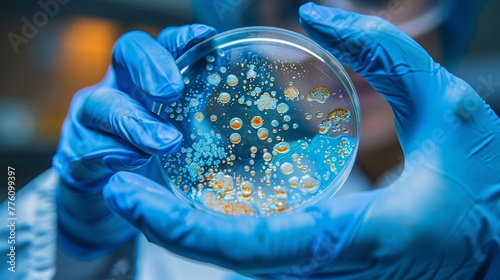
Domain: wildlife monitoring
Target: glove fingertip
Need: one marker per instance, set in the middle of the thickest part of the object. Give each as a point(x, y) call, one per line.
point(166, 141)
point(178, 40)
point(118, 193)
point(306, 10)
point(108, 193)
point(171, 90)
point(202, 31)
point(174, 144)
point(311, 13)
point(136, 198)
point(125, 51)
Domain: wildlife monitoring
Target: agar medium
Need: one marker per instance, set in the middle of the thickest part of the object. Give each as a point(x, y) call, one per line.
point(270, 123)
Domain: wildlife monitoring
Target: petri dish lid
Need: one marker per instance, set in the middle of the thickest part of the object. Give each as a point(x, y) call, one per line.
point(270, 121)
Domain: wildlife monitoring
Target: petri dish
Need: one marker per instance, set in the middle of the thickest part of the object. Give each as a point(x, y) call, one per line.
point(270, 121)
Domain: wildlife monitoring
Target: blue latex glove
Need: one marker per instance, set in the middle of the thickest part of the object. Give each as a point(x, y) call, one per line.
point(439, 220)
point(109, 129)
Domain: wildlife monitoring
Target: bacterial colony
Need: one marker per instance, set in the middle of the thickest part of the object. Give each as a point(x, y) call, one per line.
point(260, 136)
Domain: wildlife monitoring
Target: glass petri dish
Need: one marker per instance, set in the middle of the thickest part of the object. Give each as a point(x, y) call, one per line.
point(270, 122)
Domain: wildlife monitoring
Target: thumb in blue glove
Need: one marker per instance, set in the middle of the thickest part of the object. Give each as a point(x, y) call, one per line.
point(109, 128)
point(439, 220)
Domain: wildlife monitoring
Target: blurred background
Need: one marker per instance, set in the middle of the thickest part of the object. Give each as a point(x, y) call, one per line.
point(49, 49)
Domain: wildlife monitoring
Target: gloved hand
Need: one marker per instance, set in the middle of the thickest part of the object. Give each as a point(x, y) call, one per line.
point(109, 128)
point(439, 220)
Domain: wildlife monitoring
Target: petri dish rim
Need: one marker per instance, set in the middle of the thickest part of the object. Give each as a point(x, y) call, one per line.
point(266, 34)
